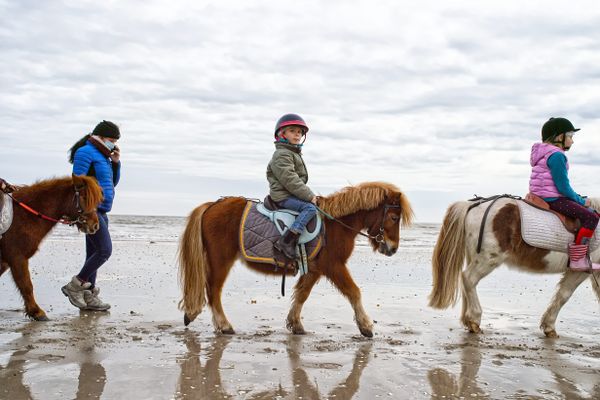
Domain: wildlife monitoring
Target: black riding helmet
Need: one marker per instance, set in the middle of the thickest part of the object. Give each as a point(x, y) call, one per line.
point(555, 127)
point(290, 119)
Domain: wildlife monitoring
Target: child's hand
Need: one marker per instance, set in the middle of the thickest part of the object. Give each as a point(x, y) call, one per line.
point(588, 203)
point(314, 200)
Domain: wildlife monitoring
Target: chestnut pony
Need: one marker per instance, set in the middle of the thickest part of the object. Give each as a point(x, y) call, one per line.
point(71, 200)
point(210, 246)
point(501, 243)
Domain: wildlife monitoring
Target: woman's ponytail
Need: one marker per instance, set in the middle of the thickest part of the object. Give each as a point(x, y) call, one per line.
point(80, 143)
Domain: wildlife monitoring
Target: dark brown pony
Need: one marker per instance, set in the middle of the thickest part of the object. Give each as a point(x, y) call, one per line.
point(210, 246)
point(56, 199)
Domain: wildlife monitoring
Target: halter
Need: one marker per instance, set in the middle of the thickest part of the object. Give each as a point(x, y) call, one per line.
point(81, 214)
point(379, 238)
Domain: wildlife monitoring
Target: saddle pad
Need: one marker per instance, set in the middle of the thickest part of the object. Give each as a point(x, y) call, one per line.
point(543, 229)
point(6, 212)
point(258, 233)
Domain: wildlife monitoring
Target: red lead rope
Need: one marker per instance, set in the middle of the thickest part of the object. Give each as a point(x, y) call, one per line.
point(39, 214)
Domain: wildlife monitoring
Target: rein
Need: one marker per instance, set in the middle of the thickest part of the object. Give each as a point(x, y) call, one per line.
point(64, 220)
point(379, 238)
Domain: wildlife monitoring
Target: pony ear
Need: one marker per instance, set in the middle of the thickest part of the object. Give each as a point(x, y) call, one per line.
point(78, 181)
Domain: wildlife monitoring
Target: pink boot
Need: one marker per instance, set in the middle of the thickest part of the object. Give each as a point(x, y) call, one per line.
point(578, 258)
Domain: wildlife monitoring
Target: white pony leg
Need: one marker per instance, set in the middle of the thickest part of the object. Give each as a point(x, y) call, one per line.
point(475, 271)
point(567, 285)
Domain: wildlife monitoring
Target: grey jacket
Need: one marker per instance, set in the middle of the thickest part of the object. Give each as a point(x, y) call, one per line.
point(287, 174)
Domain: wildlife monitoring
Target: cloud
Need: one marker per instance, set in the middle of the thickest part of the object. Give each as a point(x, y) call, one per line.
point(433, 97)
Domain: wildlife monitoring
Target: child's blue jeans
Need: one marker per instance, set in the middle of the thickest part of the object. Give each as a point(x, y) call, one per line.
point(306, 209)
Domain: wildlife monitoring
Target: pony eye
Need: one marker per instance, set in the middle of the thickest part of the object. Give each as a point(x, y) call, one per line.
point(395, 218)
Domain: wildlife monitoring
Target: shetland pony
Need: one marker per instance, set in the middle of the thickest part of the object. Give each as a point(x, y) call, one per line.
point(210, 245)
point(501, 243)
point(72, 200)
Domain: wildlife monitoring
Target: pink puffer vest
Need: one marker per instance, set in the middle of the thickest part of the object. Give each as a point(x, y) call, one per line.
point(541, 182)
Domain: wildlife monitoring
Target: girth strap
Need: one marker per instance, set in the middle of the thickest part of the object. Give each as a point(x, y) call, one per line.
point(478, 200)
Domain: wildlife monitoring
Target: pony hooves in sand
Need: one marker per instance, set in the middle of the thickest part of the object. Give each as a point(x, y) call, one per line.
point(551, 334)
point(186, 320)
point(473, 327)
point(42, 318)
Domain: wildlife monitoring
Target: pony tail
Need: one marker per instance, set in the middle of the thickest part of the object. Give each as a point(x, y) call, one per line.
point(449, 257)
point(193, 264)
point(76, 146)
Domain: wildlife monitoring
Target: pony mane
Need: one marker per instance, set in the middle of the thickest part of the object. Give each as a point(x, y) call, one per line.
point(91, 195)
point(365, 196)
point(595, 203)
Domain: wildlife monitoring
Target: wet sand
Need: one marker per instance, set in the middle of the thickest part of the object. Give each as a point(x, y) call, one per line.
point(141, 350)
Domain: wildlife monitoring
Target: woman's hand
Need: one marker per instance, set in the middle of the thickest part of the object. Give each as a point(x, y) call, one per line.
point(115, 155)
point(314, 200)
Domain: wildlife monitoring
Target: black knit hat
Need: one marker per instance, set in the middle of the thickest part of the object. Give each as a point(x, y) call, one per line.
point(556, 126)
point(107, 129)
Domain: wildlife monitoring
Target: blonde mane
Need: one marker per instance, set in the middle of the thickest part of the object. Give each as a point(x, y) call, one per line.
point(365, 196)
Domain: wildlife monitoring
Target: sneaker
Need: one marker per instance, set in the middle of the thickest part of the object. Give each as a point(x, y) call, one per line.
point(93, 302)
point(74, 291)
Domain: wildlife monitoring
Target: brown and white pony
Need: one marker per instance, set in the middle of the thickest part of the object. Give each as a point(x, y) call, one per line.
point(502, 244)
point(70, 199)
point(210, 246)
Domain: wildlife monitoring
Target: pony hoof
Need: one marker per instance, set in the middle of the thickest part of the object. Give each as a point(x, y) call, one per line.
point(366, 332)
point(42, 318)
point(473, 327)
point(298, 331)
point(551, 334)
point(186, 320)
point(227, 331)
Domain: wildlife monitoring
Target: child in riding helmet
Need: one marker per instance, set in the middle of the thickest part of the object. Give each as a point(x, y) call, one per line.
point(549, 180)
point(287, 176)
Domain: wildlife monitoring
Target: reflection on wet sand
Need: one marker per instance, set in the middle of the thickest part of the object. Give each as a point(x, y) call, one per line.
point(92, 375)
point(197, 381)
point(444, 384)
point(569, 379)
point(304, 388)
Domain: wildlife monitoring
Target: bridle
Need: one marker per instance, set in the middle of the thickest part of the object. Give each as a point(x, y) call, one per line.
point(81, 214)
point(379, 238)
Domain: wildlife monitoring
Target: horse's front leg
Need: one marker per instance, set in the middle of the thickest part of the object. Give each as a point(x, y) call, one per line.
point(301, 292)
point(567, 285)
point(341, 278)
point(20, 274)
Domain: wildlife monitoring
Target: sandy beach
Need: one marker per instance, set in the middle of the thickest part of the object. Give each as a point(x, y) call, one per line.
point(141, 350)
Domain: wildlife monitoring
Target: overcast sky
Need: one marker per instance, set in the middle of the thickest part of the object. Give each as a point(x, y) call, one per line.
point(443, 100)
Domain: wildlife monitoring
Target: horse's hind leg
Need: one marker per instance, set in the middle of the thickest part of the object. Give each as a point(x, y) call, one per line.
point(567, 285)
point(215, 281)
point(471, 308)
point(301, 292)
point(341, 278)
point(20, 274)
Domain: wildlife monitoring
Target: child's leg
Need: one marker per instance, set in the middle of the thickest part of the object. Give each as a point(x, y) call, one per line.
point(306, 209)
point(588, 218)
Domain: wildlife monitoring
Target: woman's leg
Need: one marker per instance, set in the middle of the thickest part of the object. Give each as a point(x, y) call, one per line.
point(100, 245)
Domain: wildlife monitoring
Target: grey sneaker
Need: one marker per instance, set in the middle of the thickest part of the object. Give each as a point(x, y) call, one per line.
point(74, 290)
point(93, 302)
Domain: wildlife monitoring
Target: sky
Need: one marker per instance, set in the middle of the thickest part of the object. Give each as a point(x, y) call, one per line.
point(443, 99)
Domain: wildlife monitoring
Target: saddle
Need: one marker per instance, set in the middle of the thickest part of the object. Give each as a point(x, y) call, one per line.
point(261, 226)
point(547, 229)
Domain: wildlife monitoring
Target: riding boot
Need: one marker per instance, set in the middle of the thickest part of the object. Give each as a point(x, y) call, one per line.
point(286, 244)
point(579, 259)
